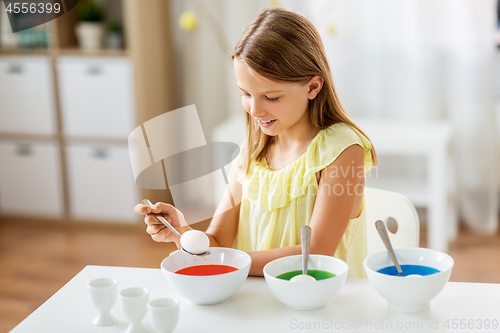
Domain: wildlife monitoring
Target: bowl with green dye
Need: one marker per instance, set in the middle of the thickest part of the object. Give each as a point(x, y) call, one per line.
point(330, 274)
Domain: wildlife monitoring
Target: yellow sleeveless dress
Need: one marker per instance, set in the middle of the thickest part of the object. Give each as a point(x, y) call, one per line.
point(277, 204)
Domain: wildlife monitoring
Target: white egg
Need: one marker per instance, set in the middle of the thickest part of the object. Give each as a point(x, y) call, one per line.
point(303, 278)
point(195, 241)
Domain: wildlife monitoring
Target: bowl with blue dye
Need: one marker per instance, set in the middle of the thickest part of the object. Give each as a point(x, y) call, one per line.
point(425, 273)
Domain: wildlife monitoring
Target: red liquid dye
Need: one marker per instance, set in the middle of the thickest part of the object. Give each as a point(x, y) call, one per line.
point(206, 270)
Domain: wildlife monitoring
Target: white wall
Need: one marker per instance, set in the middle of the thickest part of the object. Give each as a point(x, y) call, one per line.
point(205, 70)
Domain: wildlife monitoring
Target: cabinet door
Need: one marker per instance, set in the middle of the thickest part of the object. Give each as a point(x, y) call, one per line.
point(101, 184)
point(27, 95)
point(96, 96)
point(30, 179)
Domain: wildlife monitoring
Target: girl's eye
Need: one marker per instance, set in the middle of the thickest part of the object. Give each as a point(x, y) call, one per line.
point(245, 94)
point(272, 99)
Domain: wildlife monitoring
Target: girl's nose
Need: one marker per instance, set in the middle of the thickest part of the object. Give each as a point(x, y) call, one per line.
point(256, 110)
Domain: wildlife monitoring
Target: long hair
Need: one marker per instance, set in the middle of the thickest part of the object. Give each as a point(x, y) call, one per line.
point(284, 46)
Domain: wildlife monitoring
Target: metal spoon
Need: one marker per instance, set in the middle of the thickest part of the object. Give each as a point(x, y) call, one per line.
point(382, 231)
point(160, 218)
point(305, 234)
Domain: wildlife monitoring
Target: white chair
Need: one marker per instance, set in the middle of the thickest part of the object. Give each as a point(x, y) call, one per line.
point(384, 205)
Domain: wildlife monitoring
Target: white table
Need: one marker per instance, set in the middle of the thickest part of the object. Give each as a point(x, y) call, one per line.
point(431, 140)
point(357, 308)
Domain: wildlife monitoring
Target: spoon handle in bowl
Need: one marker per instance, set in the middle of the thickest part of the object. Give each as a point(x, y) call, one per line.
point(382, 231)
point(305, 234)
point(160, 218)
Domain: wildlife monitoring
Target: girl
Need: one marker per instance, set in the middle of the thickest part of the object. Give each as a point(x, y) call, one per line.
point(304, 160)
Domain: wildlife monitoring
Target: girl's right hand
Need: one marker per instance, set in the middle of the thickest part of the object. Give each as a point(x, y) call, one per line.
point(158, 231)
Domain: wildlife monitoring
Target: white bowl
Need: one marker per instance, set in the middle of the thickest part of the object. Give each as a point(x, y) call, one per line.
point(412, 293)
point(210, 289)
point(306, 295)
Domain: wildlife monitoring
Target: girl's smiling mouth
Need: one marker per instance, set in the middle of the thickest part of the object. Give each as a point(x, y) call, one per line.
point(266, 123)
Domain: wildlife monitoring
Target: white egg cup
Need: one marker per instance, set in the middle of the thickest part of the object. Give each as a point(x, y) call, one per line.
point(102, 294)
point(134, 305)
point(164, 314)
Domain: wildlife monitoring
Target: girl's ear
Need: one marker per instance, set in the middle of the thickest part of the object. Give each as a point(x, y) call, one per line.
point(314, 86)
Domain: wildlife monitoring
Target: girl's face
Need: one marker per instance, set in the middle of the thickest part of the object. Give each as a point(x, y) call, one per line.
point(277, 106)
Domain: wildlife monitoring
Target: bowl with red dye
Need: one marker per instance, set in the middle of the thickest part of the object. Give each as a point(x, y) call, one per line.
point(209, 279)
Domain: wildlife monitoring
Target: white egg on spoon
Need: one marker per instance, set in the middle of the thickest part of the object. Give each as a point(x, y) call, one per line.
point(193, 242)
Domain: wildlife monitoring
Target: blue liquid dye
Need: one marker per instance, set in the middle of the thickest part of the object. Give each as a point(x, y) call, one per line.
point(408, 269)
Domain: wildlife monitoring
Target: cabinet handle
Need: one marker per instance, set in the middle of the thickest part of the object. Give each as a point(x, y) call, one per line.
point(100, 153)
point(24, 149)
point(94, 70)
point(15, 69)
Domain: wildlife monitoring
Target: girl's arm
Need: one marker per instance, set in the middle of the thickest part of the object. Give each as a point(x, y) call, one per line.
point(341, 184)
point(339, 198)
point(223, 228)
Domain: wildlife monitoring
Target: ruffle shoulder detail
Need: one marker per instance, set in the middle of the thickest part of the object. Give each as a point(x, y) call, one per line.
point(274, 189)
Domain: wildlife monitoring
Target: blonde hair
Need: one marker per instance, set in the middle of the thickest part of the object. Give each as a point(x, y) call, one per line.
point(284, 46)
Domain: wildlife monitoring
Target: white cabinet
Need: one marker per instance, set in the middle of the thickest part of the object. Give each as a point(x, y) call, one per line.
point(97, 109)
point(101, 184)
point(96, 96)
point(27, 102)
point(30, 179)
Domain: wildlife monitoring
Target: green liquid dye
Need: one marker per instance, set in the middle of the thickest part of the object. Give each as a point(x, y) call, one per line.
point(318, 275)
